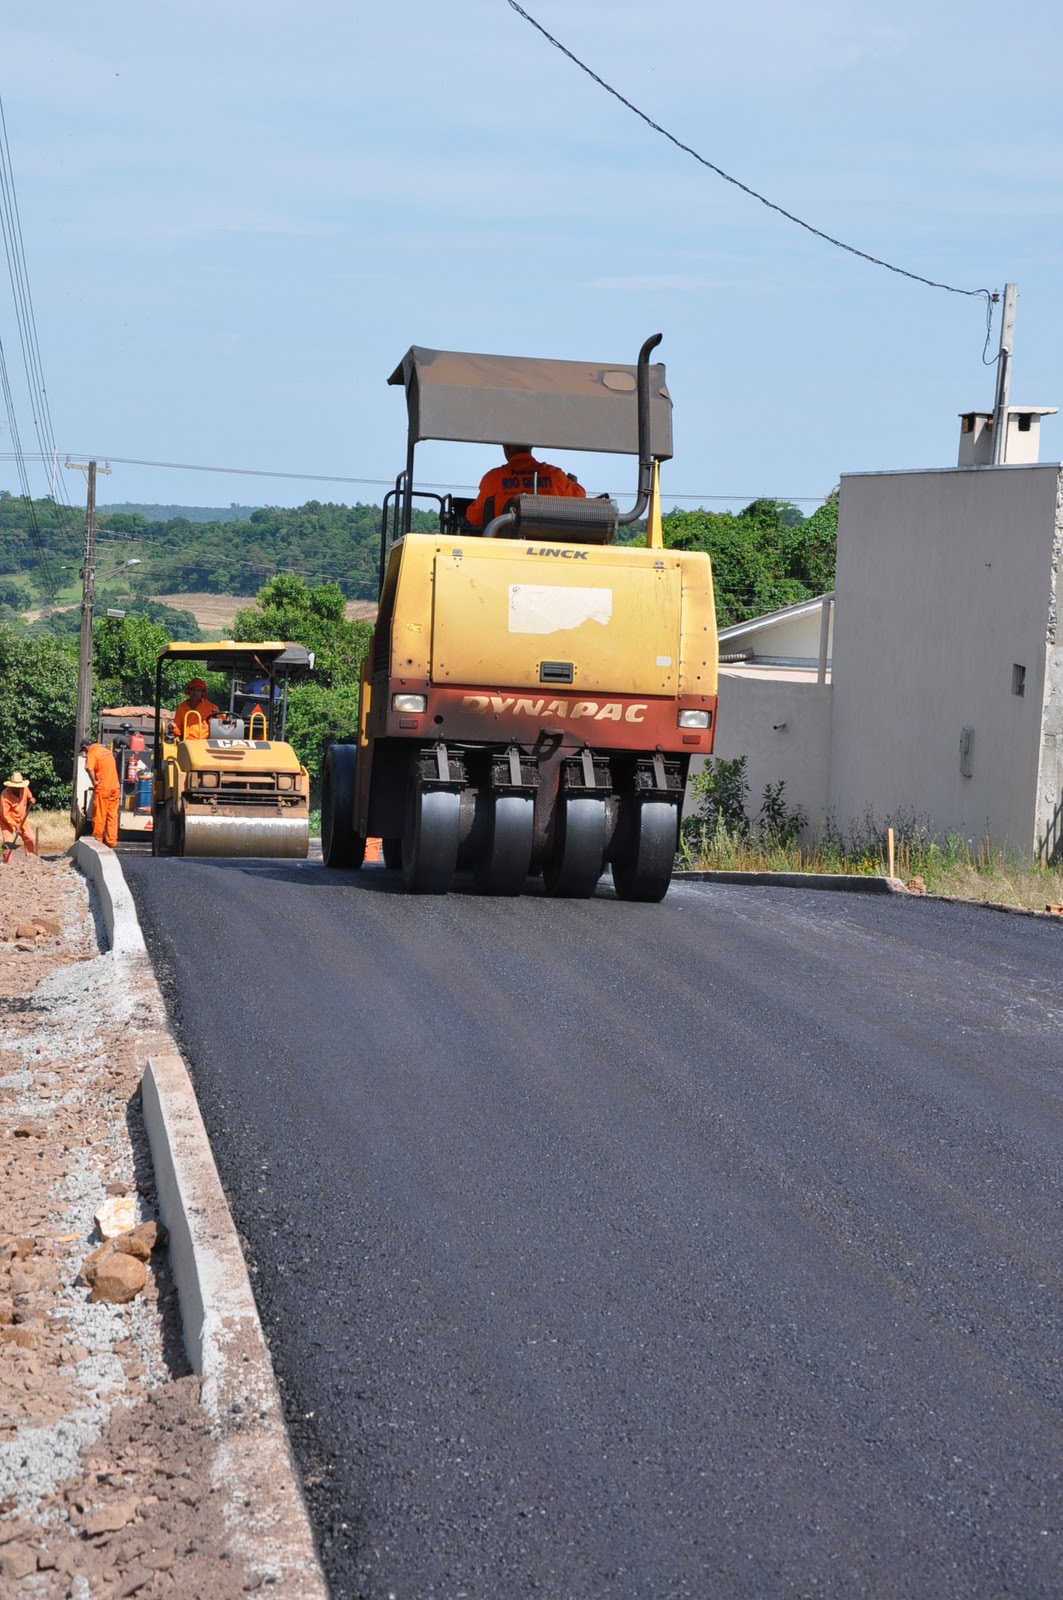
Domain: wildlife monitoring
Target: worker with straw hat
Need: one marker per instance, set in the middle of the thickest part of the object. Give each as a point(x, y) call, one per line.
point(15, 802)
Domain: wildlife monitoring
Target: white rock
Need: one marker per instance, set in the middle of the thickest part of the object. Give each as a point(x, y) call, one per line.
point(116, 1215)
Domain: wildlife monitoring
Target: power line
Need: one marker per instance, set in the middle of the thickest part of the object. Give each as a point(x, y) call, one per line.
point(14, 249)
point(387, 483)
point(39, 552)
point(240, 472)
point(839, 244)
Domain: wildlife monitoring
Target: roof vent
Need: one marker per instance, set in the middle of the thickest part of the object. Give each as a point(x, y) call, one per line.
point(1022, 444)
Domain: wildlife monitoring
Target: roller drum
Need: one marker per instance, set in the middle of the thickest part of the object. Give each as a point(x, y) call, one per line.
point(276, 837)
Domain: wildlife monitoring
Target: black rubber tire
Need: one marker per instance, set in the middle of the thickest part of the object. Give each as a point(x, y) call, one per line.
point(340, 845)
point(579, 848)
point(391, 850)
point(503, 866)
point(163, 835)
point(643, 870)
point(430, 839)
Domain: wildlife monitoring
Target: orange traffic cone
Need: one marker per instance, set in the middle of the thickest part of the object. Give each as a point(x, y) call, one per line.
point(372, 849)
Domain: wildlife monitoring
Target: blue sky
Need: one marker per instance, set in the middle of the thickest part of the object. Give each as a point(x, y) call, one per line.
point(237, 217)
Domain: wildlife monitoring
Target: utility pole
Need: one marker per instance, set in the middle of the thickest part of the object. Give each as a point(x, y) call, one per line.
point(1007, 345)
point(82, 726)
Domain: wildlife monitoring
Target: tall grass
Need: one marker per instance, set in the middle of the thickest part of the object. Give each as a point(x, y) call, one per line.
point(965, 868)
point(54, 831)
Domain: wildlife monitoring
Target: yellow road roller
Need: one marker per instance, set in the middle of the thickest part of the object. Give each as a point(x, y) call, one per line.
point(535, 687)
point(226, 782)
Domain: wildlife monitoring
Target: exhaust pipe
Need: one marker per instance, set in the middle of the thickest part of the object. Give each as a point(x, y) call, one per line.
point(642, 378)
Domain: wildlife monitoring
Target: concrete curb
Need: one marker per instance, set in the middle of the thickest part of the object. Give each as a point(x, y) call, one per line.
point(995, 905)
point(845, 883)
point(223, 1336)
point(849, 883)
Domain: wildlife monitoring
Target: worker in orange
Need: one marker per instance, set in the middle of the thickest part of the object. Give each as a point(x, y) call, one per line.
point(522, 474)
point(103, 775)
point(15, 801)
point(198, 726)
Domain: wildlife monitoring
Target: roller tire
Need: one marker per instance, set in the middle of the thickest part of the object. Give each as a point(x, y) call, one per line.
point(164, 840)
point(391, 849)
point(643, 870)
point(340, 845)
point(430, 839)
point(576, 865)
point(503, 866)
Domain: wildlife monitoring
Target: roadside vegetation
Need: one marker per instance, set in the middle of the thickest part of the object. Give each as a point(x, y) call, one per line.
point(54, 829)
point(726, 834)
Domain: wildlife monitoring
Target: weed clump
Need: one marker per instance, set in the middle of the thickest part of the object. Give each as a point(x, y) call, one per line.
point(723, 834)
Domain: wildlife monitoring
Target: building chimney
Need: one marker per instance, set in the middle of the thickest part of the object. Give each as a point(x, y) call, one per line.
point(1022, 444)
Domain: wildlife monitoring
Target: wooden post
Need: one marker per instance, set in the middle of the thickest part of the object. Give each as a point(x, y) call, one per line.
point(83, 720)
point(889, 853)
point(88, 601)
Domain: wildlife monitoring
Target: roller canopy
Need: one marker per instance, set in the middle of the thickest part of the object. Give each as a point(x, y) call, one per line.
point(228, 655)
point(551, 405)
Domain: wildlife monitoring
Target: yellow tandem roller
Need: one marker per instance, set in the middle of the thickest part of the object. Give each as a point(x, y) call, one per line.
point(225, 783)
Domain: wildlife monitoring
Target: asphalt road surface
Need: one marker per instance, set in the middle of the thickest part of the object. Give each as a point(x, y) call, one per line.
point(706, 1249)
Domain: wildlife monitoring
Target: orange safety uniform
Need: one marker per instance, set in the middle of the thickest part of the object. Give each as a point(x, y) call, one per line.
point(14, 807)
point(99, 764)
point(522, 474)
point(196, 730)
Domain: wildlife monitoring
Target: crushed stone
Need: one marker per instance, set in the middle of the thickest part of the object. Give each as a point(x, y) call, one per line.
point(109, 1477)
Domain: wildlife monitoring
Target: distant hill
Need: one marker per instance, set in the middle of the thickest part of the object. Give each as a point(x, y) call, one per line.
point(234, 513)
point(143, 553)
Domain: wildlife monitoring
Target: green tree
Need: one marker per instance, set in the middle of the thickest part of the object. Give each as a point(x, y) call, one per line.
point(124, 655)
point(38, 710)
point(764, 557)
point(326, 706)
point(317, 716)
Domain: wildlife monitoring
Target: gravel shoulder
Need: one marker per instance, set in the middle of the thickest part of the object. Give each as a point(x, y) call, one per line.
point(111, 1480)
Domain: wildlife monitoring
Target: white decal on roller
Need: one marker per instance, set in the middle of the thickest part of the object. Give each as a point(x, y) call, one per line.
point(537, 608)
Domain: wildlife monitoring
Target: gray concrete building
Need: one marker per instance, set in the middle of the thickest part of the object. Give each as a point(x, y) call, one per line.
point(940, 691)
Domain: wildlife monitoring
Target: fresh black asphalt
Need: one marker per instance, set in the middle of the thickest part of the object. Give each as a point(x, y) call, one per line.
point(707, 1249)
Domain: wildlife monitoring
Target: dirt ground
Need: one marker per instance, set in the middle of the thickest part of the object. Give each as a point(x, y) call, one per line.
point(215, 612)
point(109, 1483)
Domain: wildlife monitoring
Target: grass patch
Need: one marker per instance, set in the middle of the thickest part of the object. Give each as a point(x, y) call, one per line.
point(965, 869)
point(54, 829)
point(725, 835)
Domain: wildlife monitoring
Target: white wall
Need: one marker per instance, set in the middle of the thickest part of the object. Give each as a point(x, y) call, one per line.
point(796, 639)
point(945, 580)
point(1050, 778)
point(750, 711)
